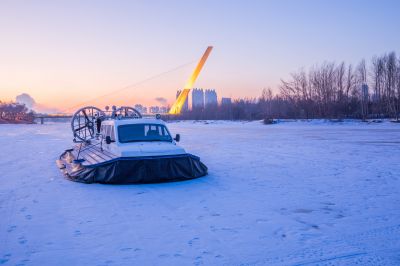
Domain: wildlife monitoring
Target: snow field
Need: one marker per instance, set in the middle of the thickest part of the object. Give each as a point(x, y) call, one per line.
point(294, 193)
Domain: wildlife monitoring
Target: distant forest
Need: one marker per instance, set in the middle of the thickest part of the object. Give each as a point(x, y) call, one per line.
point(12, 113)
point(329, 91)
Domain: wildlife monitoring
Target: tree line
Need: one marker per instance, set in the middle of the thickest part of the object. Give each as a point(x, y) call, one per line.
point(11, 113)
point(328, 90)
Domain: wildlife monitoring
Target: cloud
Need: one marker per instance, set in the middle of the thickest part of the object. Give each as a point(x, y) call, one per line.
point(26, 99)
point(31, 104)
point(161, 100)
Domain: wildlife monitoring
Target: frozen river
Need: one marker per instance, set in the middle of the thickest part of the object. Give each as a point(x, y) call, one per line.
point(288, 194)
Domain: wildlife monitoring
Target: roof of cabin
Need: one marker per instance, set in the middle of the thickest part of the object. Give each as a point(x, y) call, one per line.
point(118, 122)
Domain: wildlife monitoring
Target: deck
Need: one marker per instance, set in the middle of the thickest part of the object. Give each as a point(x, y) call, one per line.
point(93, 154)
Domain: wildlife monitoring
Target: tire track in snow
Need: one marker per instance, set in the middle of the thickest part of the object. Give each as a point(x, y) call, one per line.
point(333, 258)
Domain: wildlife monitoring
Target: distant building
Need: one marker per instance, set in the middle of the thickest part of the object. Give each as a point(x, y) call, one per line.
point(158, 109)
point(210, 98)
point(226, 101)
point(139, 107)
point(197, 99)
point(185, 106)
point(142, 109)
point(163, 110)
point(154, 109)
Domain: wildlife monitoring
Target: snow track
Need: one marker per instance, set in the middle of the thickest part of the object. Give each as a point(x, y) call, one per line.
point(288, 194)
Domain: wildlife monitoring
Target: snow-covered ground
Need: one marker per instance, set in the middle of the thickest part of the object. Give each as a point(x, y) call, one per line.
point(288, 194)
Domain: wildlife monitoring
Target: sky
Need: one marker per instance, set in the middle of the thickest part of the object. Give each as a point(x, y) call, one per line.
point(66, 54)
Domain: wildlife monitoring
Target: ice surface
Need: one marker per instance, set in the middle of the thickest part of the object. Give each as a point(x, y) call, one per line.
point(287, 194)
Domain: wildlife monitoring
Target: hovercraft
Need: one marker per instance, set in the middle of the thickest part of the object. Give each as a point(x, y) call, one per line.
point(122, 147)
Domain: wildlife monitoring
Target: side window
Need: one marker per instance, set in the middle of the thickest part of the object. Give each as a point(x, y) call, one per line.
point(107, 130)
point(112, 134)
point(103, 130)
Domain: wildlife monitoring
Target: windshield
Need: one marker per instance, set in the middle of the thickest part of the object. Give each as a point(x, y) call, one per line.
point(143, 132)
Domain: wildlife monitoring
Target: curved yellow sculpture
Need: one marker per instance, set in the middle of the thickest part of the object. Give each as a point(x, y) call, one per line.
point(178, 104)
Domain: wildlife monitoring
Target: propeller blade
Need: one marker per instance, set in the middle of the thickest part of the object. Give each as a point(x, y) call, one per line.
point(86, 117)
point(80, 128)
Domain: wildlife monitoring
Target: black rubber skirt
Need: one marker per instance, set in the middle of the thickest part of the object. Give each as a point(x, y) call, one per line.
point(136, 170)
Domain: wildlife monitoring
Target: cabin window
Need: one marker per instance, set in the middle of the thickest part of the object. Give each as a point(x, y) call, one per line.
point(112, 134)
point(143, 132)
point(108, 130)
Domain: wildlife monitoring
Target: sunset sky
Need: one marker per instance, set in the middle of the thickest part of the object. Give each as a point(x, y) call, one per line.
point(64, 53)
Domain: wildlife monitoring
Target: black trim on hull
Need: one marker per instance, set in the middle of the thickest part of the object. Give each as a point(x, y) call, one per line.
point(136, 170)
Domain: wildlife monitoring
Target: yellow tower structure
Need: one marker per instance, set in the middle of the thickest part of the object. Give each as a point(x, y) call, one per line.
point(180, 101)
